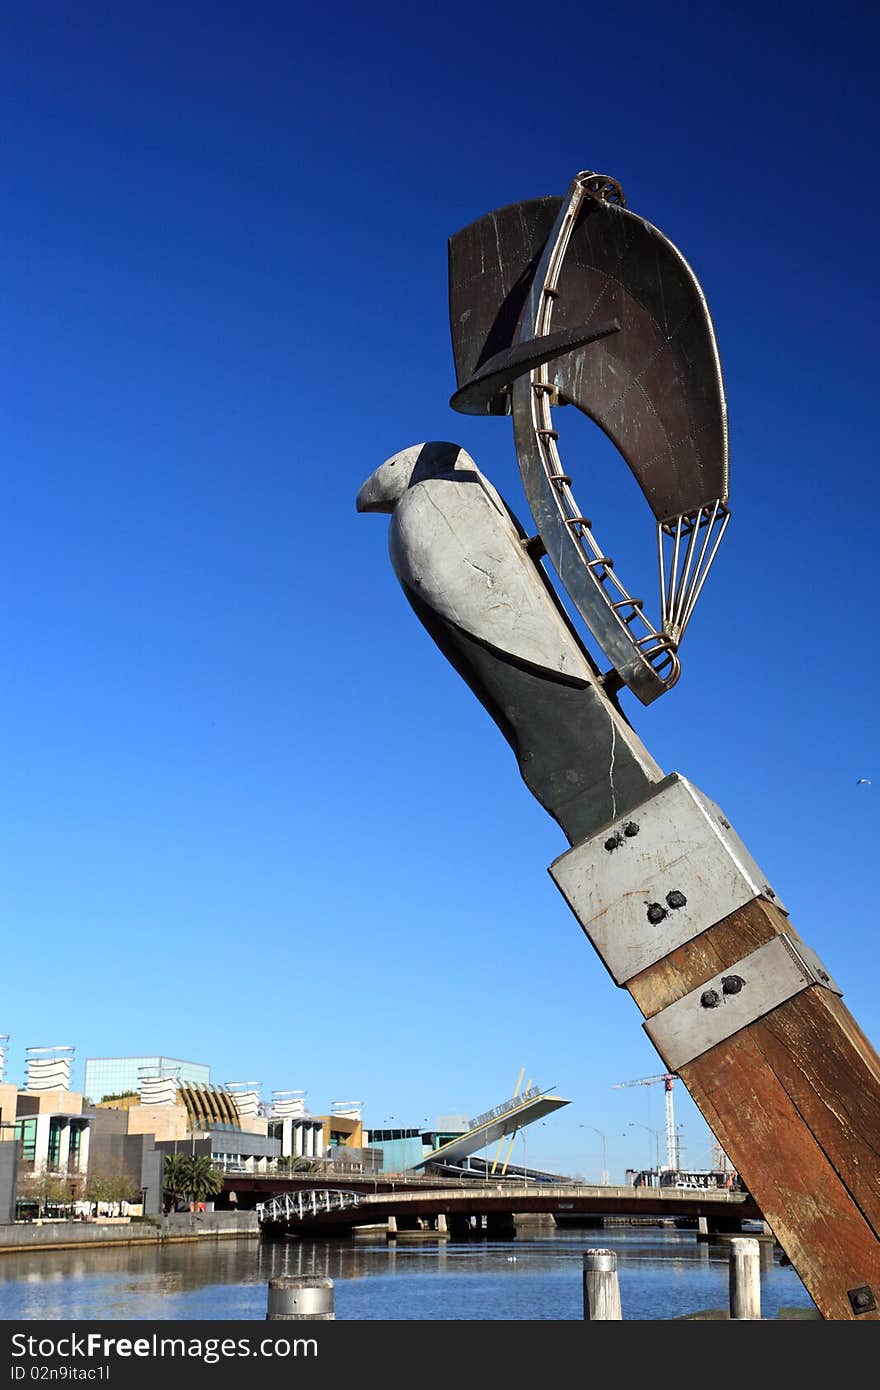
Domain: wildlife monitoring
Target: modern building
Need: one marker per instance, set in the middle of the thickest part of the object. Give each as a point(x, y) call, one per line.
point(48, 1068)
point(300, 1134)
point(119, 1076)
point(115, 1153)
point(50, 1128)
point(8, 1178)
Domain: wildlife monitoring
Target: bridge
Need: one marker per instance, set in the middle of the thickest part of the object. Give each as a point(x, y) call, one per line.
point(456, 1206)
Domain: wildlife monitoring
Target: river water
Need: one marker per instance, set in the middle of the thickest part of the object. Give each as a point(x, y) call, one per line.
point(663, 1273)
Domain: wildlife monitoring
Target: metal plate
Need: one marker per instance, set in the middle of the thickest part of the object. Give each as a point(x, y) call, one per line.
point(626, 884)
point(734, 998)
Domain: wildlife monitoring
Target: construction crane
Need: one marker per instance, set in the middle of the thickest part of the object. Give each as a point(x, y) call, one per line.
point(671, 1142)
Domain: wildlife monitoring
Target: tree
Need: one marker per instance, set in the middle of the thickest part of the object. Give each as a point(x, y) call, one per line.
point(47, 1191)
point(291, 1163)
point(189, 1178)
point(203, 1180)
point(174, 1181)
point(112, 1190)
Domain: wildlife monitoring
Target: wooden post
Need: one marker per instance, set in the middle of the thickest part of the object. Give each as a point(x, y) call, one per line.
point(745, 1278)
point(601, 1289)
point(300, 1297)
point(794, 1100)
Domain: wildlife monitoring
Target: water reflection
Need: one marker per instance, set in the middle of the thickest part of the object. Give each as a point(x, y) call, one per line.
point(663, 1274)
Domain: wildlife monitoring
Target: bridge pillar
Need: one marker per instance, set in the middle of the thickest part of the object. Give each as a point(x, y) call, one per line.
point(391, 1228)
point(500, 1226)
point(442, 1225)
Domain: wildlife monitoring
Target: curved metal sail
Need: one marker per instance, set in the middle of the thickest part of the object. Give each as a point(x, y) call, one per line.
point(643, 364)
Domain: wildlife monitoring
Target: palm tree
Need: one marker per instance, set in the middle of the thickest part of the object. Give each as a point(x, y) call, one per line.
point(175, 1178)
point(202, 1179)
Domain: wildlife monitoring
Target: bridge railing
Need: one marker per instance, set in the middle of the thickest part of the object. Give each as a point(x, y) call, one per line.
point(309, 1202)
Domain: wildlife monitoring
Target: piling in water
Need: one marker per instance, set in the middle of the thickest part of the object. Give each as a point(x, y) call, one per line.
point(601, 1290)
point(745, 1278)
point(300, 1297)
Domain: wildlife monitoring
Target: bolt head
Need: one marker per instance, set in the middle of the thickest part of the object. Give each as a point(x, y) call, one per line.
point(613, 841)
point(710, 999)
point(862, 1300)
point(675, 899)
point(631, 828)
point(656, 913)
point(732, 984)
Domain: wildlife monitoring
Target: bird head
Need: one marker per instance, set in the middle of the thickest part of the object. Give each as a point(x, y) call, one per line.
point(384, 488)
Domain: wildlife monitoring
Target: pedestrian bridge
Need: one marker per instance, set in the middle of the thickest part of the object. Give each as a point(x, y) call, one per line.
point(297, 1206)
point(342, 1209)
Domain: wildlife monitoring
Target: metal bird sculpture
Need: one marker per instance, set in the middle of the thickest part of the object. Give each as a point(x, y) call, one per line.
point(459, 554)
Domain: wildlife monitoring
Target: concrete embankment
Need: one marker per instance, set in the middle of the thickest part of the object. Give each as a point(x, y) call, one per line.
point(164, 1230)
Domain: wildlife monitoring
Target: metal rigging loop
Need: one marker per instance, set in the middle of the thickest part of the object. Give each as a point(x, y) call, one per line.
point(602, 187)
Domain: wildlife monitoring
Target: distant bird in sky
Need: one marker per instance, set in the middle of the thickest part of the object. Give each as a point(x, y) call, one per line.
point(863, 781)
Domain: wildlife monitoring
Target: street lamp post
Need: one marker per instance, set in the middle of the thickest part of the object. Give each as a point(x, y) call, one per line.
point(604, 1152)
point(656, 1134)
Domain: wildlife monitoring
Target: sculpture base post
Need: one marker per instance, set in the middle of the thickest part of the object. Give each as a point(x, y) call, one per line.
point(746, 1015)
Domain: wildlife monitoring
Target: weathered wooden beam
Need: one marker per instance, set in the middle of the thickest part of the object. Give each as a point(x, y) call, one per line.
point(794, 1099)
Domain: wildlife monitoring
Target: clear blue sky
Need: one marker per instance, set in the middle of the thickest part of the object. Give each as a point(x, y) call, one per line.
point(250, 816)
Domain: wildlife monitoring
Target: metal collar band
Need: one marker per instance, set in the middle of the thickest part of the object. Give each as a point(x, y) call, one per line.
point(733, 999)
point(658, 877)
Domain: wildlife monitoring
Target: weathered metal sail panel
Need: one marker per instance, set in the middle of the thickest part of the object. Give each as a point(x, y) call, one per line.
point(655, 387)
point(491, 266)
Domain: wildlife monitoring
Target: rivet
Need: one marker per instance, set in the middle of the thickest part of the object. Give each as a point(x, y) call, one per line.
point(613, 841)
point(656, 913)
point(676, 899)
point(710, 999)
point(630, 829)
point(732, 984)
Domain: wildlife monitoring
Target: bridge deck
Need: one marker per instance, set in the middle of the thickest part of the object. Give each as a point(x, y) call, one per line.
point(487, 1199)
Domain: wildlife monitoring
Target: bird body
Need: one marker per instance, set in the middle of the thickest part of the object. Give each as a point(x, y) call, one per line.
point(462, 560)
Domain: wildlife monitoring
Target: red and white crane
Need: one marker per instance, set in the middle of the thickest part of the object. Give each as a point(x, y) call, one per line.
point(672, 1160)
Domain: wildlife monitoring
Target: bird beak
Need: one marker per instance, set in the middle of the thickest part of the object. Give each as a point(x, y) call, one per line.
point(373, 496)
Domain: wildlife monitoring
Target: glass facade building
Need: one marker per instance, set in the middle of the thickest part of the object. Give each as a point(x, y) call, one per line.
point(115, 1076)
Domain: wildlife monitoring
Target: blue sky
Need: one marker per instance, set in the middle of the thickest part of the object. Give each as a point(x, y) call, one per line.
point(250, 815)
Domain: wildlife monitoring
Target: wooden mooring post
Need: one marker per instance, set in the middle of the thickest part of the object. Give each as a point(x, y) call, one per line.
point(601, 1288)
point(745, 1278)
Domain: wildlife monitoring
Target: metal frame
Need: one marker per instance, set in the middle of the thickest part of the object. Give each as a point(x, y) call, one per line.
point(735, 998)
point(647, 663)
